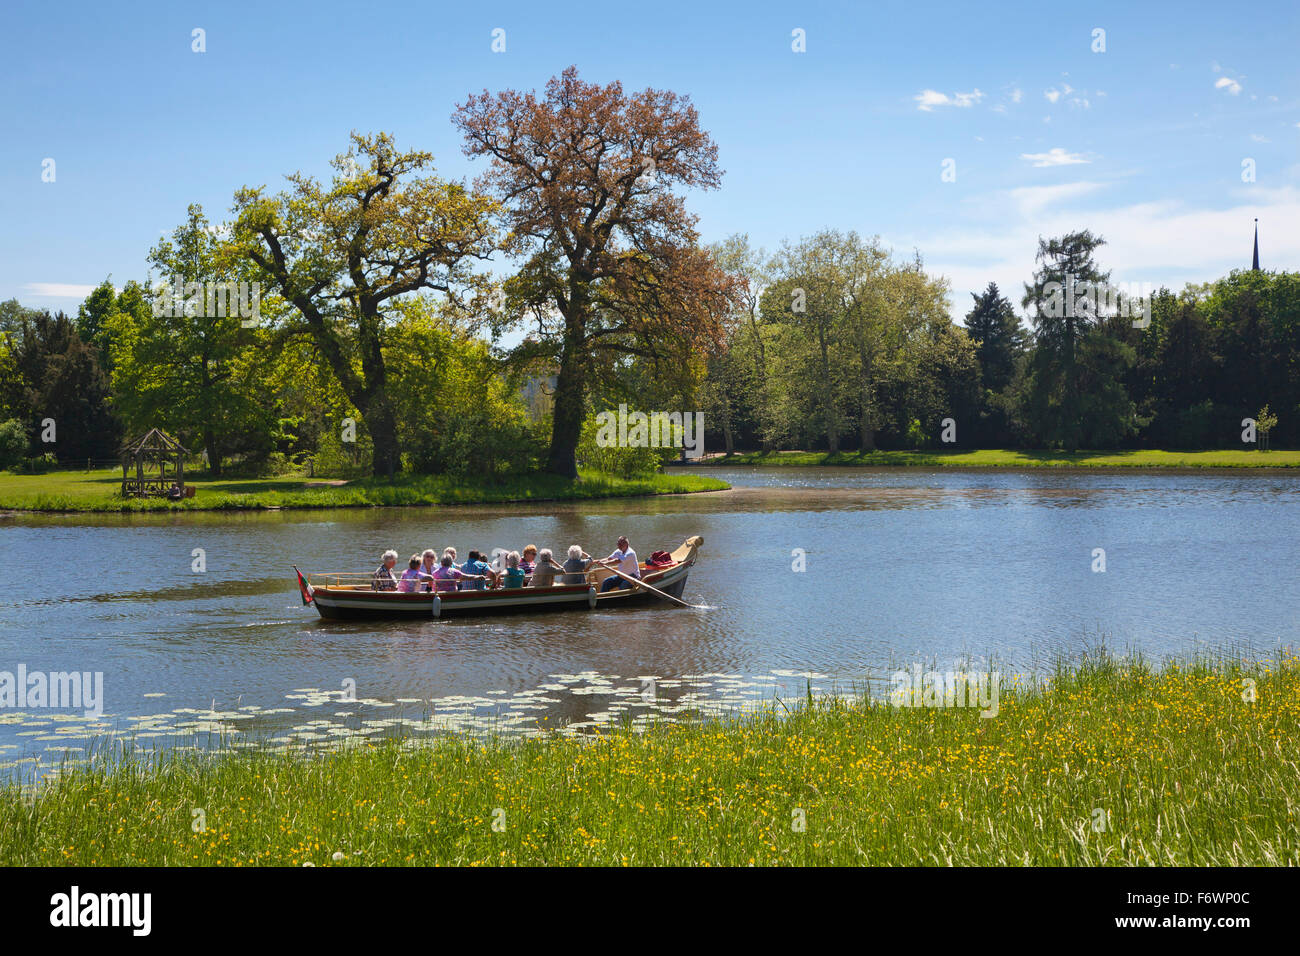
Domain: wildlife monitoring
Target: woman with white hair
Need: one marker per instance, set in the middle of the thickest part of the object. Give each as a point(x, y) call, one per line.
point(576, 566)
point(385, 579)
point(544, 573)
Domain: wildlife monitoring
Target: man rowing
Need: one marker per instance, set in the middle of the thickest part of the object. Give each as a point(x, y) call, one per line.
point(625, 559)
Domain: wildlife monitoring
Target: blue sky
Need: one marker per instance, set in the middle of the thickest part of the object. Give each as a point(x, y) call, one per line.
point(1143, 143)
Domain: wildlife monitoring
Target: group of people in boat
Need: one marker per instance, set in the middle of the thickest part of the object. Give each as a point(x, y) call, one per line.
point(532, 568)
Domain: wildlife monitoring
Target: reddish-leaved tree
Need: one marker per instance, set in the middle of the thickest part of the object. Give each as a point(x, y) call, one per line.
point(610, 258)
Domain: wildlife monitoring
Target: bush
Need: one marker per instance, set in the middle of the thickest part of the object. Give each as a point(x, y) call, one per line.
point(620, 461)
point(40, 464)
point(13, 443)
point(337, 459)
point(477, 442)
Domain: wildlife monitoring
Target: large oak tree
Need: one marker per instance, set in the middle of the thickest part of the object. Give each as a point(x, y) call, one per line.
point(610, 261)
point(340, 253)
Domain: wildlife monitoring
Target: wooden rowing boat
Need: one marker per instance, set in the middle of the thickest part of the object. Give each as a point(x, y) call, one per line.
point(338, 596)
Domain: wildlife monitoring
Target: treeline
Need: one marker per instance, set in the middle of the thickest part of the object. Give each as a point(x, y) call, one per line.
point(844, 348)
point(354, 322)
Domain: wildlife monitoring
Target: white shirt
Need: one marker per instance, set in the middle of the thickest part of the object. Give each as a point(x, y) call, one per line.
point(627, 562)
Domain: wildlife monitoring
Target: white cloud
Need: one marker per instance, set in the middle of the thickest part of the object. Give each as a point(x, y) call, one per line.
point(1260, 139)
point(1229, 84)
point(1052, 94)
point(1017, 95)
point(1054, 157)
point(65, 290)
point(927, 100)
point(1165, 242)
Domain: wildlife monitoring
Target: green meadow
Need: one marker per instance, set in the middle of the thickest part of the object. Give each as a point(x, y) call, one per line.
point(1106, 763)
point(1009, 458)
point(90, 491)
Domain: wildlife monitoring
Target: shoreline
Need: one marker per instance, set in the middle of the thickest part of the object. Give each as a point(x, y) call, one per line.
point(80, 496)
point(989, 459)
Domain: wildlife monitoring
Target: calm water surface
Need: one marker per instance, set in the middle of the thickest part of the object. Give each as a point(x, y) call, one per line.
point(901, 566)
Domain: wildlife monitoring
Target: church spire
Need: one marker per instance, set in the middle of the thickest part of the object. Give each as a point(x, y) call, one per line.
point(1255, 264)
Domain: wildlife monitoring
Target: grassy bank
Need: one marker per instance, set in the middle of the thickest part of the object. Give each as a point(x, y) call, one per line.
point(98, 491)
point(1175, 767)
point(1008, 458)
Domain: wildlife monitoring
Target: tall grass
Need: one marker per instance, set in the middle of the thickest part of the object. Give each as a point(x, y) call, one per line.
point(1107, 763)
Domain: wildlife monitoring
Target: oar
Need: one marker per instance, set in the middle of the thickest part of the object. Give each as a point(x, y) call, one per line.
point(663, 594)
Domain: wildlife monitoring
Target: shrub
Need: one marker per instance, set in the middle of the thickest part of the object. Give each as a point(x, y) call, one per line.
point(623, 462)
point(13, 443)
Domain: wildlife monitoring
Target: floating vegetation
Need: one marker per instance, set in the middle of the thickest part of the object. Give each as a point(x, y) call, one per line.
point(563, 704)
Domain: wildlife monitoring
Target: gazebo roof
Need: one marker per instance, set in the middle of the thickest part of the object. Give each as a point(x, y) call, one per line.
point(156, 440)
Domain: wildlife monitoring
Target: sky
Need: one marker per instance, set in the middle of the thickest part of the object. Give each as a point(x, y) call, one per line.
point(955, 130)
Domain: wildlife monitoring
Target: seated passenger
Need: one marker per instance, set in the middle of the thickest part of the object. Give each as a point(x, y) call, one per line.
point(544, 573)
point(576, 566)
point(478, 572)
point(446, 576)
point(384, 578)
point(428, 564)
point(528, 560)
point(514, 576)
point(411, 576)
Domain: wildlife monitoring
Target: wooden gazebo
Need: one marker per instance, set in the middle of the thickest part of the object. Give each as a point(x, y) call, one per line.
point(152, 457)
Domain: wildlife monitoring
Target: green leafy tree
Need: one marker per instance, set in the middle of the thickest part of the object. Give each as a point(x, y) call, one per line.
point(191, 363)
point(341, 255)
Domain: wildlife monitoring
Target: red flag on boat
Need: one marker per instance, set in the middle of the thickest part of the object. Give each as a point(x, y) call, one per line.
point(303, 587)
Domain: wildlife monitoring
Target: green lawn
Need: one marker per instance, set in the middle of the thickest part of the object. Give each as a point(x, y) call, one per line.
point(1007, 458)
point(1110, 764)
point(98, 491)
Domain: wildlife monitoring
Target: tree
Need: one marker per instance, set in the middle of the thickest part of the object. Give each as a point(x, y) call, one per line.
point(1063, 302)
point(341, 254)
point(850, 314)
point(63, 382)
point(999, 338)
point(91, 315)
point(1265, 422)
point(737, 374)
point(184, 360)
point(610, 261)
point(807, 295)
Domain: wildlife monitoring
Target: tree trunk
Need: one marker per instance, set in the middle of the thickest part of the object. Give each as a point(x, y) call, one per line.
point(566, 423)
point(382, 425)
point(868, 432)
point(214, 453)
point(727, 439)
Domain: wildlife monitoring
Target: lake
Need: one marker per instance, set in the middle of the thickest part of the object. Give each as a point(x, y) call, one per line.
point(900, 567)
